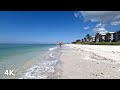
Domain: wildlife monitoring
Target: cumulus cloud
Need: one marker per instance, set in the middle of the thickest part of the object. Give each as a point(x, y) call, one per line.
point(100, 16)
point(100, 25)
point(100, 28)
point(86, 28)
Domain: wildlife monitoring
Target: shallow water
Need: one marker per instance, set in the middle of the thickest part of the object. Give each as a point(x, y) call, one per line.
point(28, 61)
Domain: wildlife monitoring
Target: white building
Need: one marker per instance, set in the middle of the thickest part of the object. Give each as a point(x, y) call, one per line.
point(93, 38)
point(112, 35)
point(117, 35)
point(103, 36)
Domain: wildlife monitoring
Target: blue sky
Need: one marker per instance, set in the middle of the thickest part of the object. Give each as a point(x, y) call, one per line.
point(45, 26)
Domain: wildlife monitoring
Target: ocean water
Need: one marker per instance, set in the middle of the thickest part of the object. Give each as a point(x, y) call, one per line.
point(28, 61)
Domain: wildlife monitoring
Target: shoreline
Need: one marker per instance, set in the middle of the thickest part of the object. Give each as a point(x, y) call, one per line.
point(45, 67)
point(88, 62)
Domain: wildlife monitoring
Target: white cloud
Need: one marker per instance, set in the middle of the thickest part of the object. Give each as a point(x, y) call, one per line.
point(100, 28)
point(100, 16)
point(77, 14)
point(86, 28)
point(100, 25)
point(115, 23)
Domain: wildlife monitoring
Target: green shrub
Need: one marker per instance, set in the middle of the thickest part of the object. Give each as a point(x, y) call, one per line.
point(97, 43)
point(104, 43)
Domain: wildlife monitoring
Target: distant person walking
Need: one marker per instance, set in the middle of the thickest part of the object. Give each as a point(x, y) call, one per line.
point(59, 44)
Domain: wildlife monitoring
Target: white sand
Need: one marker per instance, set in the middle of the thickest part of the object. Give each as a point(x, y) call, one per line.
point(88, 62)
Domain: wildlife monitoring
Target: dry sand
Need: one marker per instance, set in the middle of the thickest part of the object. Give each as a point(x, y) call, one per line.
point(88, 62)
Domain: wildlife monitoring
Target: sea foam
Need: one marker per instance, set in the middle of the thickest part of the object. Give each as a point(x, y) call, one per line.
point(45, 68)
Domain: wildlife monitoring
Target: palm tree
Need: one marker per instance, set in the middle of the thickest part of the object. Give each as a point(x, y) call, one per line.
point(88, 37)
point(85, 39)
point(97, 37)
point(82, 40)
point(108, 36)
point(100, 38)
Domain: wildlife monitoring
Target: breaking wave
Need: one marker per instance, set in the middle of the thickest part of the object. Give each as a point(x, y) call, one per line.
point(43, 69)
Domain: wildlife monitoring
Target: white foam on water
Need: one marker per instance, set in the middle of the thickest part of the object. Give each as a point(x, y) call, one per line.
point(52, 48)
point(54, 55)
point(43, 69)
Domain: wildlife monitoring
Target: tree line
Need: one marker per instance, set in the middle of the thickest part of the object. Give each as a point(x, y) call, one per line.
point(98, 38)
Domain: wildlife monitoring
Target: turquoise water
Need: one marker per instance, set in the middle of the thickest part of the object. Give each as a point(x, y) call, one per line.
point(19, 57)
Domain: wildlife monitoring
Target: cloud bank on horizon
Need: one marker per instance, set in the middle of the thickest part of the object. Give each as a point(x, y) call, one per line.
point(101, 17)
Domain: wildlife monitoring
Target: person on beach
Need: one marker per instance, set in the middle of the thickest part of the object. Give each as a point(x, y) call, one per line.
point(58, 44)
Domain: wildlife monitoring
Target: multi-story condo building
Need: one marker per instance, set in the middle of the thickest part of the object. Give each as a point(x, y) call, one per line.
point(117, 35)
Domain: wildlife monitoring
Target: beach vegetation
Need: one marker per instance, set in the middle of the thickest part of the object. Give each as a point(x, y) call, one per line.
point(107, 37)
point(77, 42)
point(104, 43)
point(99, 39)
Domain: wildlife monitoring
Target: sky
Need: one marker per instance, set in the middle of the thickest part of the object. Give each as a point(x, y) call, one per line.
point(53, 26)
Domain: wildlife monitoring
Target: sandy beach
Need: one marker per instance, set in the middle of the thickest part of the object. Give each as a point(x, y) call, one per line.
point(88, 62)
